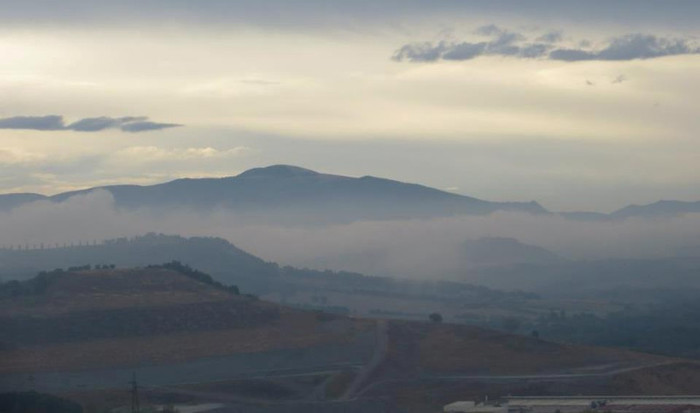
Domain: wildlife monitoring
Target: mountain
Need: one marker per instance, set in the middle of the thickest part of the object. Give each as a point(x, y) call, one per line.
point(291, 194)
point(10, 201)
point(657, 209)
point(497, 251)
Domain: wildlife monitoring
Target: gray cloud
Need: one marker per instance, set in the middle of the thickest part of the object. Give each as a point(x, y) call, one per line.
point(489, 30)
point(103, 122)
point(630, 47)
point(551, 37)
point(461, 51)
point(50, 122)
point(56, 123)
point(503, 43)
point(427, 52)
point(511, 44)
point(145, 126)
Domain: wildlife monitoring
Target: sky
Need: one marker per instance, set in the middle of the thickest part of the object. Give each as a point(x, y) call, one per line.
point(578, 105)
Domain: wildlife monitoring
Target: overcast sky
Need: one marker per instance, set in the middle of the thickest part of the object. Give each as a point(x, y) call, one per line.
point(578, 105)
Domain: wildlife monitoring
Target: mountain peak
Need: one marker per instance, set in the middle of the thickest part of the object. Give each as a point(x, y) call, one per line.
point(278, 171)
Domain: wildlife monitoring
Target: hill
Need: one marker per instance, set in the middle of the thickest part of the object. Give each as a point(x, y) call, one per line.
point(84, 332)
point(657, 209)
point(495, 251)
point(231, 265)
point(216, 256)
point(292, 194)
point(80, 318)
point(430, 365)
point(86, 304)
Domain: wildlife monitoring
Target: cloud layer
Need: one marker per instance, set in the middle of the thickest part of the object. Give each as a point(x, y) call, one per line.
point(550, 46)
point(406, 248)
point(56, 123)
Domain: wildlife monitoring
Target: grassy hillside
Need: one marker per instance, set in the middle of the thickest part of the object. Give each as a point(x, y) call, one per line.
point(72, 306)
point(108, 317)
point(444, 349)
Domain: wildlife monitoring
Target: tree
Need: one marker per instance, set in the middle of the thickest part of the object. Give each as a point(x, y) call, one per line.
point(435, 317)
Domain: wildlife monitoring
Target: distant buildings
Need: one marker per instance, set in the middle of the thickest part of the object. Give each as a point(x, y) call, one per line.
point(579, 404)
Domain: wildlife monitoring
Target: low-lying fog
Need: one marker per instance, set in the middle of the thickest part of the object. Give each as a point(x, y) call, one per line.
point(405, 247)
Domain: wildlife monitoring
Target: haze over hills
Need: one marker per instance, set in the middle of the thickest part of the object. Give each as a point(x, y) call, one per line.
point(351, 292)
point(486, 268)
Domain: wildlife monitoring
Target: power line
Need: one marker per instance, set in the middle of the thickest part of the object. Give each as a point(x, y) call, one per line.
point(135, 408)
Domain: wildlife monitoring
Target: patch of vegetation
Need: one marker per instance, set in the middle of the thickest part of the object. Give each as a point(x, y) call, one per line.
point(669, 328)
point(34, 286)
point(39, 284)
point(200, 276)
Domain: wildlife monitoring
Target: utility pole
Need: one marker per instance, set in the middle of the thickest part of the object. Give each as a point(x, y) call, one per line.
point(135, 408)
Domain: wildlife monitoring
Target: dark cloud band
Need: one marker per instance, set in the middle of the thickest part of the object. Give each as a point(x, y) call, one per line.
point(55, 123)
point(547, 46)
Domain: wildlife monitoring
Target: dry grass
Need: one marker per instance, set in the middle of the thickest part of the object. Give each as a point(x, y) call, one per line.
point(293, 330)
point(446, 349)
point(112, 289)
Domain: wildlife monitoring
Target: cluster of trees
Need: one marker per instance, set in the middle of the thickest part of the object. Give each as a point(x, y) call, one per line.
point(200, 276)
point(669, 328)
point(33, 286)
point(38, 284)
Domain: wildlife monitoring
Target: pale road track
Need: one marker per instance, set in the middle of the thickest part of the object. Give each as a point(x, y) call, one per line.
point(355, 389)
point(380, 350)
point(524, 377)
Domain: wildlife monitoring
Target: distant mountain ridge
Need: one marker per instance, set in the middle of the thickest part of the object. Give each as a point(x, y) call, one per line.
point(659, 208)
point(298, 194)
point(499, 251)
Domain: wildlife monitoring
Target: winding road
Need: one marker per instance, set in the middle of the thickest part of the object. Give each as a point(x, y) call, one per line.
point(523, 377)
point(380, 350)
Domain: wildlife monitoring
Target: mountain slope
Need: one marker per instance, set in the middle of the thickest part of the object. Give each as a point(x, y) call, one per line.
point(87, 304)
point(154, 316)
point(213, 255)
point(496, 251)
point(291, 193)
point(657, 209)
point(11, 201)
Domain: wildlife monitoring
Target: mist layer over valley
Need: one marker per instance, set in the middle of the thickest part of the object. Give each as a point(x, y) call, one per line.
point(370, 226)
